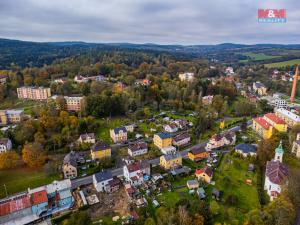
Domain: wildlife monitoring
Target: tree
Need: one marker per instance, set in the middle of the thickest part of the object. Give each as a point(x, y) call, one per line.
point(34, 155)
point(8, 160)
point(265, 150)
point(149, 221)
point(214, 207)
point(78, 218)
point(184, 217)
point(198, 220)
point(294, 187)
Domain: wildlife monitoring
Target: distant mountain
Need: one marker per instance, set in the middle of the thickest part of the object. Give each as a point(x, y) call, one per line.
point(26, 53)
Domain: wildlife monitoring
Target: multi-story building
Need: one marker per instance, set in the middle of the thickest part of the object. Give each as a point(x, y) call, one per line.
point(170, 161)
point(186, 76)
point(5, 145)
point(39, 200)
point(276, 174)
point(11, 116)
point(162, 140)
point(100, 150)
point(74, 103)
point(259, 88)
point(138, 148)
point(262, 128)
point(70, 165)
point(280, 103)
point(296, 146)
point(87, 138)
point(118, 134)
point(181, 139)
point(134, 173)
point(34, 93)
point(198, 153)
point(220, 140)
point(278, 123)
point(289, 117)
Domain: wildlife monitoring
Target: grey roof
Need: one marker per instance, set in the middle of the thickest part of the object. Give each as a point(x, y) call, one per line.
point(100, 145)
point(246, 148)
point(164, 135)
point(103, 176)
point(71, 158)
point(171, 157)
point(86, 135)
point(117, 130)
point(138, 146)
point(192, 182)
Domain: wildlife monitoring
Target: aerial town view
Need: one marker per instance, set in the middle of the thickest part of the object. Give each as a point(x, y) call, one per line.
point(147, 112)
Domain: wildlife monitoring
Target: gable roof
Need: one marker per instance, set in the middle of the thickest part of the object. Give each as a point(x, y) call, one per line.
point(275, 118)
point(171, 157)
point(164, 135)
point(87, 135)
point(276, 172)
point(206, 170)
point(99, 146)
point(103, 176)
point(263, 123)
point(117, 130)
point(246, 148)
point(195, 150)
point(137, 146)
point(180, 137)
point(71, 158)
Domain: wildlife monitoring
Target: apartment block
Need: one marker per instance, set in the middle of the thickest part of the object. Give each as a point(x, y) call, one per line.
point(34, 93)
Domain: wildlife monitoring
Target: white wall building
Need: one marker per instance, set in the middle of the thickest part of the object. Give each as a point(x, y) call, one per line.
point(186, 76)
point(5, 145)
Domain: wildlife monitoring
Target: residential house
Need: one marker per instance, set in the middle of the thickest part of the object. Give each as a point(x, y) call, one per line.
point(70, 165)
point(171, 128)
point(246, 150)
point(34, 93)
point(186, 76)
point(296, 146)
point(181, 139)
point(259, 88)
point(162, 140)
point(134, 173)
point(100, 150)
point(144, 82)
point(276, 174)
point(198, 153)
point(207, 100)
point(280, 103)
point(182, 124)
point(5, 145)
point(262, 128)
point(3, 78)
point(289, 117)
point(11, 116)
point(87, 138)
point(229, 70)
point(118, 134)
point(168, 150)
point(278, 123)
point(204, 174)
point(220, 140)
point(102, 179)
point(192, 184)
point(138, 148)
point(80, 79)
point(170, 161)
point(130, 127)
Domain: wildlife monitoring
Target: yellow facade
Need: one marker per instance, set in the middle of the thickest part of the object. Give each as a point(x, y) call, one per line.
point(162, 142)
point(281, 127)
point(204, 177)
point(265, 133)
point(200, 155)
point(101, 154)
point(168, 164)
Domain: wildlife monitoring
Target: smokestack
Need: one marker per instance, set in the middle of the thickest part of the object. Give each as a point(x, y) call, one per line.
point(293, 93)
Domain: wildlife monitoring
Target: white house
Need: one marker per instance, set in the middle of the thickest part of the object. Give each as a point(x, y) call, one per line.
point(186, 76)
point(101, 180)
point(171, 128)
point(181, 139)
point(138, 148)
point(229, 70)
point(87, 138)
point(276, 174)
point(134, 172)
point(130, 127)
point(168, 150)
point(220, 140)
point(5, 145)
point(296, 146)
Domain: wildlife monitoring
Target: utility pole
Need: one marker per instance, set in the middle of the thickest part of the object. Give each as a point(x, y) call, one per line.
point(5, 190)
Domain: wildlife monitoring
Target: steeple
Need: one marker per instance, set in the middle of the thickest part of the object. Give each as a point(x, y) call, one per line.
point(279, 152)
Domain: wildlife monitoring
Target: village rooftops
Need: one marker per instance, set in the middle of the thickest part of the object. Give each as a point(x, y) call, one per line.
point(289, 114)
point(164, 135)
point(181, 137)
point(87, 135)
point(263, 123)
point(246, 148)
point(206, 170)
point(103, 176)
point(58, 185)
point(117, 130)
point(137, 166)
point(275, 118)
point(137, 146)
point(99, 146)
point(276, 172)
point(14, 203)
point(197, 150)
point(38, 197)
point(171, 157)
point(71, 158)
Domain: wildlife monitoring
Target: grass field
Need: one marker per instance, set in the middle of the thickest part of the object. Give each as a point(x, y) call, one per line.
point(231, 178)
point(258, 56)
point(284, 63)
point(20, 179)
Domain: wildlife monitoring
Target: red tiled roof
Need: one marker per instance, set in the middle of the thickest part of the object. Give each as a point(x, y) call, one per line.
point(134, 167)
point(275, 118)
point(39, 197)
point(206, 170)
point(263, 123)
point(14, 204)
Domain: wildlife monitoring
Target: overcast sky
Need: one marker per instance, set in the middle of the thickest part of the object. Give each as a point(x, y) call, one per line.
point(148, 21)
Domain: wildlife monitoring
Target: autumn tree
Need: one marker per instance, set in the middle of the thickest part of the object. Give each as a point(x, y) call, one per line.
point(34, 155)
point(8, 160)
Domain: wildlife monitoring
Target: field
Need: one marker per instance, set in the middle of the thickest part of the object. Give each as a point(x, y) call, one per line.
point(258, 56)
point(282, 64)
point(231, 179)
point(19, 180)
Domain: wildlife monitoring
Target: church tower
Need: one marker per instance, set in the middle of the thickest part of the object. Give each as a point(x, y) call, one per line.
point(279, 153)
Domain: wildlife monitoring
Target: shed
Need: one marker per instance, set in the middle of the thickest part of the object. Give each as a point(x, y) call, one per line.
point(192, 184)
point(201, 193)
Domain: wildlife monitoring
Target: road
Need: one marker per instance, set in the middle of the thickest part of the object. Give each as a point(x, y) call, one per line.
point(119, 171)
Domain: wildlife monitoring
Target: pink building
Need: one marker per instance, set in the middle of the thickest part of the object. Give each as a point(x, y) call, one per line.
point(34, 93)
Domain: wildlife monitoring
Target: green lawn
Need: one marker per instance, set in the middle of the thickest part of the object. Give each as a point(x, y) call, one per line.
point(282, 64)
point(20, 179)
point(257, 56)
point(235, 169)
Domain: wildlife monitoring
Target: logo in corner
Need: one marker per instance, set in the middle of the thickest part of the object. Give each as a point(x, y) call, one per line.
point(271, 15)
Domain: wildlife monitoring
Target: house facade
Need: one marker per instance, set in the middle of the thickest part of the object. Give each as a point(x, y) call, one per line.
point(70, 165)
point(138, 148)
point(198, 153)
point(262, 128)
point(101, 180)
point(220, 140)
point(5, 145)
point(11, 116)
point(278, 123)
point(181, 139)
point(100, 150)
point(259, 88)
point(162, 140)
point(186, 76)
point(204, 174)
point(34, 93)
point(289, 117)
point(171, 128)
point(134, 173)
point(118, 134)
point(87, 138)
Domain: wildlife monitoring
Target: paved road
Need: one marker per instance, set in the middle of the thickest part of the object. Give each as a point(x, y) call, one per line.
point(119, 171)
